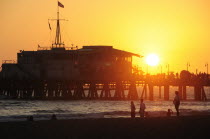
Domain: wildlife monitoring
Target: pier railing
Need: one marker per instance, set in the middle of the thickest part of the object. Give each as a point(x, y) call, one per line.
point(9, 61)
point(44, 48)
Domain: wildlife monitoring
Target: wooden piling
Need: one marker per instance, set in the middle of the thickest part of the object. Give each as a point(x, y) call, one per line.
point(151, 91)
point(166, 92)
point(105, 92)
point(79, 91)
point(184, 92)
point(92, 93)
point(180, 92)
point(203, 94)
point(132, 93)
point(145, 91)
point(160, 92)
point(197, 92)
point(119, 91)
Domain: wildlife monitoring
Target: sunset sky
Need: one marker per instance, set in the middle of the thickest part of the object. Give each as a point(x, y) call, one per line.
point(178, 31)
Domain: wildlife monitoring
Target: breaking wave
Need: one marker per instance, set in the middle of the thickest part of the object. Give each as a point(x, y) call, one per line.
point(13, 110)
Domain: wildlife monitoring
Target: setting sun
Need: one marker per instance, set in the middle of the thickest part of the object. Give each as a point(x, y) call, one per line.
point(152, 59)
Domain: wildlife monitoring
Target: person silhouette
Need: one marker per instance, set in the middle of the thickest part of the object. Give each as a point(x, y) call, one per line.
point(176, 102)
point(53, 117)
point(142, 108)
point(133, 110)
point(169, 112)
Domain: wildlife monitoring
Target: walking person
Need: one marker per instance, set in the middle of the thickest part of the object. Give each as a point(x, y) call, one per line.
point(176, 102)
point(142, 108)
point(133, 110)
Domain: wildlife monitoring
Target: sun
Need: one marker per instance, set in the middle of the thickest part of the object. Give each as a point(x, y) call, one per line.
point(152, 60)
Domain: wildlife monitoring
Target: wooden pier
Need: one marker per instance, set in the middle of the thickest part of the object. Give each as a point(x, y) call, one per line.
point(105, 90)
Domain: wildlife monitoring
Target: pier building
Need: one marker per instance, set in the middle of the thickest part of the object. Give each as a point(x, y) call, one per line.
point(87, 63)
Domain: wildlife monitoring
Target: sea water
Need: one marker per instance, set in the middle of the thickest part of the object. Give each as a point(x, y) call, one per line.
point(19, 110)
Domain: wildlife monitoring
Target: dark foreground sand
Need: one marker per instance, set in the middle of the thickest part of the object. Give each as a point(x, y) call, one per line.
point(163, 127)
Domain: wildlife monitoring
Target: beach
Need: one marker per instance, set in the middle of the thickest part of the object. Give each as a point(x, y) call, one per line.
point(154, 127)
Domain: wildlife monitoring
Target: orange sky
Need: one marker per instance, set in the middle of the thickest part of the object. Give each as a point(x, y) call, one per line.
point(177, 30)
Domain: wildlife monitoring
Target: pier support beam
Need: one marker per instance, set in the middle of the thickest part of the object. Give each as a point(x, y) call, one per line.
point(184, 92)
point(166, 92)
point(151, 91)
point(64, 90)
point(105, 92)
point(69, 88)
point(79, 91)
point(180, 92)
point(132, 93)
point(57, 89)
point(119, 91)
point(203, 94)
point(143, 94)
point(50, 88)
point(160, 92)
point(197, 92)
point(92, 93)
point(146, 97)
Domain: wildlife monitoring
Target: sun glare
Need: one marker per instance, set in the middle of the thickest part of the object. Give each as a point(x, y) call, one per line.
point(152, 59)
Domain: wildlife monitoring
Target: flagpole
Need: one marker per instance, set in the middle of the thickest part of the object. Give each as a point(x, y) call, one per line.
point(58, 42)
point(58, 28)
point(58, 25)
point(58, 12)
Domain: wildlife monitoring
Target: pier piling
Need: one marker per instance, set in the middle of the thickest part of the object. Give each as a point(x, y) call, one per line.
point(166, 92)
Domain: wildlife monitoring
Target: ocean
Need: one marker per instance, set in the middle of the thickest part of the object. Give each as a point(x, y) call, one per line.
point(19, 110)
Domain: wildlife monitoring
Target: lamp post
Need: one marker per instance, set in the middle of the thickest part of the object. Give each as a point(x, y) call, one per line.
point(207, 68)
point(188, 65)
point(167, 66)
point(161, 69)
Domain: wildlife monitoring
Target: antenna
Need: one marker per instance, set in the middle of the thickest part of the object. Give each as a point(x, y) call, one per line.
point(58, 41)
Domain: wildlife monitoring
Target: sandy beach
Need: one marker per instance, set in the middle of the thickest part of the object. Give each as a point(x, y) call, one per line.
point(159, 127)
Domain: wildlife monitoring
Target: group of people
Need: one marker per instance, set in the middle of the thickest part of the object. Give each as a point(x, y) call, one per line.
point(142, 108)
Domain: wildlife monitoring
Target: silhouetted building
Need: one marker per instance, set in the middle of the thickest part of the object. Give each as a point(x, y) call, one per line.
point(60, 63)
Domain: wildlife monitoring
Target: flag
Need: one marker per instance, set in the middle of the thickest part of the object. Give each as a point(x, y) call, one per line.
point(49, 25)
point(60, 4)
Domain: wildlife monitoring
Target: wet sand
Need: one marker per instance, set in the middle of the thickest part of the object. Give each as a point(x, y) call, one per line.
point(159, 127)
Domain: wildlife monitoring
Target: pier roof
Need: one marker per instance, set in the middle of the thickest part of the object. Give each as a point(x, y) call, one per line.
point(102, 48)
point(96, 49)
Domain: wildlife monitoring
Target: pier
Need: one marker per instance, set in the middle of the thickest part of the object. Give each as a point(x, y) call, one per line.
point(106, 89)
